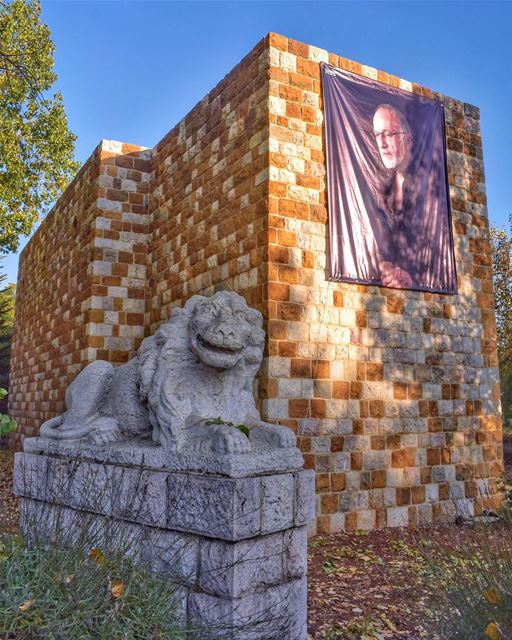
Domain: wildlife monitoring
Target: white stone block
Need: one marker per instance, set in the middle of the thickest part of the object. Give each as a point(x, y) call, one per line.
point(398, 517)
point(304, 498)
point(289, 388)
point(318, 55)
point(109, 205)
point(395, 477)
point(97, 329)
point(287, 61)
point(277, 106)
point(234, 569)
point(389, 497)
point(376, 460)
point(277, 494)
point(366, 519)
point(277, 612)
point(369, 72)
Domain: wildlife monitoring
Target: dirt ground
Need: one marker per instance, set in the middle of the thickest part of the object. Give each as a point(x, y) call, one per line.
point(366, 585)
point(372, 585)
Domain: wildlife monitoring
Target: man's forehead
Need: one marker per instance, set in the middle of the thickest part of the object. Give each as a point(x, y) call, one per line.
point(386, 116)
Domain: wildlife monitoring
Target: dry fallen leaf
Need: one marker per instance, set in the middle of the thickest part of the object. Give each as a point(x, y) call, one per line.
point(98, 556)
point(117, 589)
point(493, 596)
point(493, 632)
point(388, 622)
point(26, 605)
point(68, 579)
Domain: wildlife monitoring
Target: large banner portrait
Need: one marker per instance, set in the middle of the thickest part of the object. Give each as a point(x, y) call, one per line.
point(389, 207)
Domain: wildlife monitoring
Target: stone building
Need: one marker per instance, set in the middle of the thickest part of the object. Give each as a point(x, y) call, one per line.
point(394, 395)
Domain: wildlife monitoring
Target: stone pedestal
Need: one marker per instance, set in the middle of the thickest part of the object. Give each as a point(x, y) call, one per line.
point(236, 547)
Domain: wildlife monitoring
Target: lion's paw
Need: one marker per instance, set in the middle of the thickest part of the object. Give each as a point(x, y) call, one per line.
point(218, 438)
point(231, 440)
point(274, 435)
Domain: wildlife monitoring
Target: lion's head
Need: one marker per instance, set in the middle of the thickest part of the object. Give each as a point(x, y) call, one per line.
point(225, 335)
point(223, 330)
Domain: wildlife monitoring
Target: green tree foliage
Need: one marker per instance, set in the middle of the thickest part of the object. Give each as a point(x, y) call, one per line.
point(7, 300)
point(501, 243)
point(36, 146)
point(7, 303)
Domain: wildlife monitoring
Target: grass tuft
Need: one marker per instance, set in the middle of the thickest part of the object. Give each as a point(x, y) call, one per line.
point(60, 594)
point(473, 599)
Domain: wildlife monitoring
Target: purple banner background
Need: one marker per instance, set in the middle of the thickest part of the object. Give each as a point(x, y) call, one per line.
point(389, 212)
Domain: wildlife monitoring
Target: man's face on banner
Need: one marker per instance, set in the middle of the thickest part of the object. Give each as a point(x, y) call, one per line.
point(393, 137)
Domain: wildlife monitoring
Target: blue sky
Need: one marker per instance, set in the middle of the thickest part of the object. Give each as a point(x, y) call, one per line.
point(129, 71)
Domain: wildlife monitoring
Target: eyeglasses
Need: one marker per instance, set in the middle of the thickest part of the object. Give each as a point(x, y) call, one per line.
point(388, 135)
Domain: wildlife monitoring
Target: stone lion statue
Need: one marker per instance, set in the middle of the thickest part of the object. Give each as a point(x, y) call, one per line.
point(187, 387)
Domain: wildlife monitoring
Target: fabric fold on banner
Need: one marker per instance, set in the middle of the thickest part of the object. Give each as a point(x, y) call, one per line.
point(388, 198)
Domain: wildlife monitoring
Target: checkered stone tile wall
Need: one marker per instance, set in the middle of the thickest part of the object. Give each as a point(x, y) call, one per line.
point(394, 396)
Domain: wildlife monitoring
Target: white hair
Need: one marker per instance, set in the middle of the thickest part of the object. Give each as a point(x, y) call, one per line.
point(404, 125)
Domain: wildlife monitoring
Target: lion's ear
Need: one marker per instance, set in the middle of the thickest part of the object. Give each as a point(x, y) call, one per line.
point(255, 317)
point(257, 337)
point(192, 303)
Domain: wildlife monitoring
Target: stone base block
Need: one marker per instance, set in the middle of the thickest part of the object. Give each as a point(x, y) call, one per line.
point(277, 613)
point(236, 547)
point(262, 459)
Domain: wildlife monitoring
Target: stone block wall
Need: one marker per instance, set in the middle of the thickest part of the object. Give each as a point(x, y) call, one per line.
point(394, 395)
point(81, 282)
point(49, 336)
point(117, 268)
point(209, 192)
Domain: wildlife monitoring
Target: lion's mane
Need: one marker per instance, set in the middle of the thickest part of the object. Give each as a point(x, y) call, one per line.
point(181, 379)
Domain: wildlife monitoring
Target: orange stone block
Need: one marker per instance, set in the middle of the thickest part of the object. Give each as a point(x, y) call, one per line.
point(323, 482)
point(378, 442)
point(318, 408)
point(300, 368)
point(287, 274)
point(286, 238)
point(434, 456)
point(399, 458)
point(337, 298)
point(308, 68)
point(399, 390)
point(376, 408)
point(321, 369)
point(298, 408)
point(356, 390)
point(403, 496)
point(278, 41)
point(395, 304)
point(337, 443)
point(329, 503)
point(291, 94)
point(287, 349)
point(378, 479)
point(293, 209)
point(356, 460)
point(374, 371)
point(340, 390)
point(338, 481)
